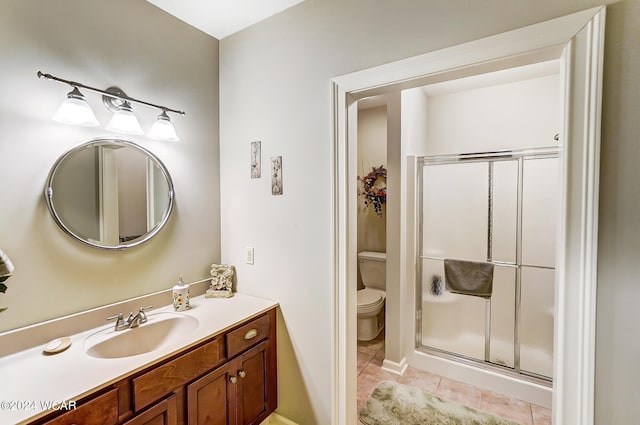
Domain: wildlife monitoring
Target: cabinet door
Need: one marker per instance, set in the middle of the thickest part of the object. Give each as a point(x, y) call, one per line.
point(101, 410)
point(163, 413)
point(252, 390)
point(211, 399)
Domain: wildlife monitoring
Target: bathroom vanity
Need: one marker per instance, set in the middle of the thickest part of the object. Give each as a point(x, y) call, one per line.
point(223, 373)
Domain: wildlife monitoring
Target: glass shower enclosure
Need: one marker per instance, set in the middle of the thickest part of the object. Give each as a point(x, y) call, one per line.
point(499, 208)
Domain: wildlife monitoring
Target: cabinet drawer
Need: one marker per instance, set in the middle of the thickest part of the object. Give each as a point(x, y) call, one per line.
point(162, 380)
point(248, 335)
point(101, 410)
point(164, 412)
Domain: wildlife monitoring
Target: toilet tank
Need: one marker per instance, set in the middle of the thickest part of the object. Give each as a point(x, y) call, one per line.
point(373, 269)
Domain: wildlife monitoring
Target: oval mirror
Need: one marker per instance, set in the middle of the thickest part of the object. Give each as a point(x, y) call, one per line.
point(110, 193)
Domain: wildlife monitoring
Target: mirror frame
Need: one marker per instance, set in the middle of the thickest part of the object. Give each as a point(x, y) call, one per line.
point(48, 193)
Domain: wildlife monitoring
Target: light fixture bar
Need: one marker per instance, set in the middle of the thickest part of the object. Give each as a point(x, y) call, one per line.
point(106, 93)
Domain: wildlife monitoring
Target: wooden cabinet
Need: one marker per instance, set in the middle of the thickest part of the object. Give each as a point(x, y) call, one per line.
point(252, 387)
point(162, 380)
point(238, 393)
point(164, 412)
point(96, 410)
point(229, 379)
point(247, 335)
point(211, 399)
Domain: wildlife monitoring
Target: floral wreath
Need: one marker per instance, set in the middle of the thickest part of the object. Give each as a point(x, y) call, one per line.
point(374, 188)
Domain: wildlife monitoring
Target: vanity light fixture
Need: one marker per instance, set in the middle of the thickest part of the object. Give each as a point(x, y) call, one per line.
point(124, 120)
point(162, 129)
point(75, 110)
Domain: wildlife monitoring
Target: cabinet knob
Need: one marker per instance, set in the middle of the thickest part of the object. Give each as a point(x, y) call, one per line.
point(242, 373)
point(233, 379)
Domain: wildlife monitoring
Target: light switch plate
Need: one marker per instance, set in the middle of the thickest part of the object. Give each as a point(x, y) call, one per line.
point(248, 255)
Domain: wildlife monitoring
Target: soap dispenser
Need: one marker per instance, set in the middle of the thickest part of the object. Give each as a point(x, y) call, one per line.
point(181, 295)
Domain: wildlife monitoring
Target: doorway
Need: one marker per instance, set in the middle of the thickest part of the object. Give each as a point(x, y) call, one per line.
point(576, 40)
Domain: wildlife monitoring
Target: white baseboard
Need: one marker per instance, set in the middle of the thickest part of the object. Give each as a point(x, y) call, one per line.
point(395, 367)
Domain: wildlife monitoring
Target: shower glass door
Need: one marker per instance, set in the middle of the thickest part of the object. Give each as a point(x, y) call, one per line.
point(501, 209)
point(454, 224)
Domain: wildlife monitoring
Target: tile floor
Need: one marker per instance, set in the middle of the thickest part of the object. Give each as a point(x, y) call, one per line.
point(370, 373)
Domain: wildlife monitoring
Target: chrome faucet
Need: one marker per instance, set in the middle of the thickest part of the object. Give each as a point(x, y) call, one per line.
point(138, 319)
point(120, 323)
point(133, 321)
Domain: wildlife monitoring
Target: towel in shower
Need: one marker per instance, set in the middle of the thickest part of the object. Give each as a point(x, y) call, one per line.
point(469, 277)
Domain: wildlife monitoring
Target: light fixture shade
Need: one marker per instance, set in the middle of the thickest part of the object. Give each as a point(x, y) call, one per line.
point(6, 266)
point(162, 129)
point(76, 111)
point(125, 121)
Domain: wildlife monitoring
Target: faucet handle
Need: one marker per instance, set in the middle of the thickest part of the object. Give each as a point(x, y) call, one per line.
point(117, 316)
point(120, 324)
point(142, 316)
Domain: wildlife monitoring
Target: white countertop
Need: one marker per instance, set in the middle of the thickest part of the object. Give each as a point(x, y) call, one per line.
point(30, 379)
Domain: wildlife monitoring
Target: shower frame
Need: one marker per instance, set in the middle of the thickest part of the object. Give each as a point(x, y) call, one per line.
point(519, 155)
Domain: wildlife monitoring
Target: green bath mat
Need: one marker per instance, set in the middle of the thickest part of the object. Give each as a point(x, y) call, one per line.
point(396, 404)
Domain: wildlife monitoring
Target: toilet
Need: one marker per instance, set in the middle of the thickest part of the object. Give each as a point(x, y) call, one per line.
point(373, 271)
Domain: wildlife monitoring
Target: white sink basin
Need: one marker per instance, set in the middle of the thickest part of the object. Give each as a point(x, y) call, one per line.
point(160, 331)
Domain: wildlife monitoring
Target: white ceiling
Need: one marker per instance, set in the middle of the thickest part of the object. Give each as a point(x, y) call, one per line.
point(220, 18)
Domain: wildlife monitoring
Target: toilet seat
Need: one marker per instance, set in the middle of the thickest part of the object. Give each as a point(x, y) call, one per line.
point(370, 299)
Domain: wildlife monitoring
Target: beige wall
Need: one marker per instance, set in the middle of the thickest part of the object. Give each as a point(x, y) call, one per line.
point(494, 118)
point(151, 56)
point(274, 81)
point(618, 315)
point(372, 152)
point(274, 87)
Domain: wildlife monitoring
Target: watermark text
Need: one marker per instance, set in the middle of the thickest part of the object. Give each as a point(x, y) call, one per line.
point(38, 405)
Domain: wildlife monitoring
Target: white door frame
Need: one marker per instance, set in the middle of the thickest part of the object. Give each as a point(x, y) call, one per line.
point(579, 38)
